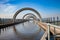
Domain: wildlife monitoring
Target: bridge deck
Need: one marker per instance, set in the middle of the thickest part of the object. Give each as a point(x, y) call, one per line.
point(45, 27)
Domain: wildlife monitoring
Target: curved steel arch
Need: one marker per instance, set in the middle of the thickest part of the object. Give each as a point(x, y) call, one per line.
point(26, 9)
point(34, 17)
point(28, 14)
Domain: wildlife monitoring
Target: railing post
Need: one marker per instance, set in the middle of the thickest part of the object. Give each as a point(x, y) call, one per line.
point(54, 33)
point(48, 32)
point(54, 29)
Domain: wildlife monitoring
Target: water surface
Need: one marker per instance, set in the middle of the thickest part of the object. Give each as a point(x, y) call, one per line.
point(23, 31)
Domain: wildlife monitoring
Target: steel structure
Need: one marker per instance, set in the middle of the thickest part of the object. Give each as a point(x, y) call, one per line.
point(28, 15)
point(31, 9)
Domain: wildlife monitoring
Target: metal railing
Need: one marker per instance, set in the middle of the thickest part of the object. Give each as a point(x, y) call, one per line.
point(49, 25)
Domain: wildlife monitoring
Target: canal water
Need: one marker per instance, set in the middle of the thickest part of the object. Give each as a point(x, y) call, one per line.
point(23, 31)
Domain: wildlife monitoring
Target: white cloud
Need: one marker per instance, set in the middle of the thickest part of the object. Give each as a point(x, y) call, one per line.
point(10, 9)
point(7, 10)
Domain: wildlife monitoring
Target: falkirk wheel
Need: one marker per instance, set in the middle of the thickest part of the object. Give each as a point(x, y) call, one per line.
point(33, 18)
point(29, 14)
point(31, 9)
point(23, 9)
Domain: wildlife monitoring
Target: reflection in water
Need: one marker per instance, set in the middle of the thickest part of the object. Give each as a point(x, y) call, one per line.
point(28, 31)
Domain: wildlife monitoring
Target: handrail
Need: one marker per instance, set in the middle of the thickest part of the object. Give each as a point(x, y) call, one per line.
point(49, 25)
point(52, 25)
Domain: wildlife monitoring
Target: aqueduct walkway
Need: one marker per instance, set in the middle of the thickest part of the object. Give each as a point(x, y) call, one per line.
point(55, 30)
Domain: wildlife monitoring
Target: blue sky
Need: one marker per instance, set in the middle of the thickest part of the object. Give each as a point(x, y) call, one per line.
point(47, 8)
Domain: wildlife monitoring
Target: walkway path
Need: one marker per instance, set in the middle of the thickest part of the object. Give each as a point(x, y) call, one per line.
point(45, 27)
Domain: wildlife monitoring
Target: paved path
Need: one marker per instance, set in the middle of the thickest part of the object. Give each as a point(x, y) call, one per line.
point(45, 27)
